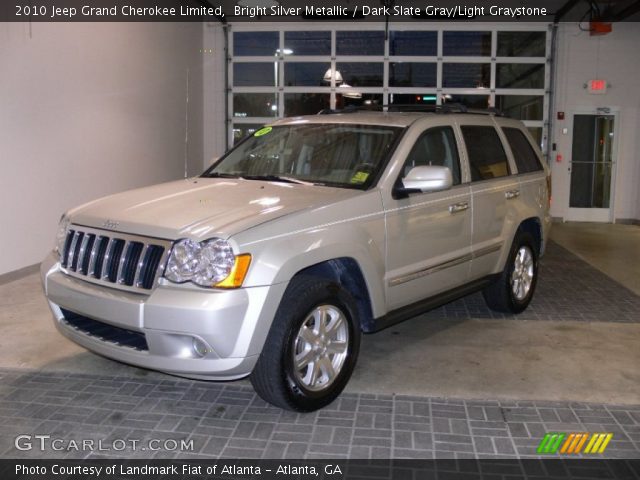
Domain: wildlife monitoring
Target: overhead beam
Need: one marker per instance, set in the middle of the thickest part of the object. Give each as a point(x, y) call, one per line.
point(564, 10)
point(631, 9)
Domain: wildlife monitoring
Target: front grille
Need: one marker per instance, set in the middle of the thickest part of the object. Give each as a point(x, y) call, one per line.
point(112, 258)
point(105, 332)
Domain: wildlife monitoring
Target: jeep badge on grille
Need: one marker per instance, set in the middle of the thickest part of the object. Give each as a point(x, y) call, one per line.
point(110, 224)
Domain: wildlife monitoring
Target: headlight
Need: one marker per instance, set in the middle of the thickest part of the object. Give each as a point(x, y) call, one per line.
point(211, 263)
point(61, 236)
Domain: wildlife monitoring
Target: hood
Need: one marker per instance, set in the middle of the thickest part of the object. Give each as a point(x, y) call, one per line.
point(202, 208)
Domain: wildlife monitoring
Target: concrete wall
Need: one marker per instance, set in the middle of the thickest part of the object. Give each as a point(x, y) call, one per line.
point(613, 57)
point(89, 109)
point(215, 127)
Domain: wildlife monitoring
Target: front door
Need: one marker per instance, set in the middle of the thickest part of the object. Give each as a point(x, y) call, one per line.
point(592, 168)
point(429, 234)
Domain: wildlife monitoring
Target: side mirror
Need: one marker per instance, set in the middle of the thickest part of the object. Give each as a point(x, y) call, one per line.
point(428, 178)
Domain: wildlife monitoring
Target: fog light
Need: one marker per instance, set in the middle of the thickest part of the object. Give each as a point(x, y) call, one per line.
point(200, 348)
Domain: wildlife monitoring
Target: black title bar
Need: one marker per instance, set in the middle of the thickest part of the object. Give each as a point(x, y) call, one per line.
point(513, 469)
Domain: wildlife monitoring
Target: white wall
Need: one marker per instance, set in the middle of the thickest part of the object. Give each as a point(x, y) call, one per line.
point(615, 58)
point(215, 127)
point(89, 109)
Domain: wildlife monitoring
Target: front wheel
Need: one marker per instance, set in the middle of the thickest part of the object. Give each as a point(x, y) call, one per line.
point(513, 290)
point(312, 347)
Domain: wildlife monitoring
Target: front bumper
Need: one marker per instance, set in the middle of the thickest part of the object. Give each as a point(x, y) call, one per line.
point(230, 326)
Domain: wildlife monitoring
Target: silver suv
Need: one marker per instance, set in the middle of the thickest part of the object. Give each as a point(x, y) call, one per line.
point(307, 233)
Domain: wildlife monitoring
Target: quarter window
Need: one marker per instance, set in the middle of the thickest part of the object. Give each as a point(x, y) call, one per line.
point(524, 156)
point(436, 146)
point(485, 152)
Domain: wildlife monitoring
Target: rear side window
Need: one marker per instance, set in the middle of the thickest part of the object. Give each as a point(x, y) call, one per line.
point(487, 158)
point(526, 159)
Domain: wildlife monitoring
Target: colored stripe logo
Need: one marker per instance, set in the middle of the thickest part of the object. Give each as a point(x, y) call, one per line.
point(573, 443)
point(598, 442)
point(550, 443)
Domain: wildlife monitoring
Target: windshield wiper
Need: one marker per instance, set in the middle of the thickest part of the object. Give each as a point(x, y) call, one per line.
point(276, 178)
point(221, 175)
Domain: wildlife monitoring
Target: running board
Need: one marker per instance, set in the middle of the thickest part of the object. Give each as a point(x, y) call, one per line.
point(409, 311)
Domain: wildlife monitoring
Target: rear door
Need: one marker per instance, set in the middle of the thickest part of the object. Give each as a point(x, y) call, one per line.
point(493, 191)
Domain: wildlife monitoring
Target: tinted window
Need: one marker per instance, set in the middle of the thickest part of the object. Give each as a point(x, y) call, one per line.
point(309, 74)
point(361, 74)
point(467, 43)
point(307, 43)
point(471, 101)
point(486, 155)
point(437, 146)
point(305, 103)
point(412, 74)
point(520, 75)
point(526, 159)
point(255, 43)
point(254, 74)
point(255, 105)
point(521, 44)
point(521, 107)
point(466, 75)
point(413, 43)
point(359, 43)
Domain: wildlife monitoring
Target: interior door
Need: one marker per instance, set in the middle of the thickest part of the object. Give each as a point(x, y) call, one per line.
point(592, 168)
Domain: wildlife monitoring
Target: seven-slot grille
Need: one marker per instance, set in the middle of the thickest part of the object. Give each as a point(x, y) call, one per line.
point(112, 258)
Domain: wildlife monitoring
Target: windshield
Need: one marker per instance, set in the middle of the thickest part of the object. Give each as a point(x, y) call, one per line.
point(339, 155)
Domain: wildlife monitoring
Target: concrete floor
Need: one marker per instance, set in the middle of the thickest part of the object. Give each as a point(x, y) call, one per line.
point(466, 358)
point(613, 249)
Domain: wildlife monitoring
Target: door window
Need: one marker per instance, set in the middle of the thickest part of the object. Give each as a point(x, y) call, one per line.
point(591, 161)
point(436, 146)
point(485, 152)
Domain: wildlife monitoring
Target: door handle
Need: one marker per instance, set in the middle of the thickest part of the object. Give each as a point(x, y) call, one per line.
point(458, 207)
point(511, 194)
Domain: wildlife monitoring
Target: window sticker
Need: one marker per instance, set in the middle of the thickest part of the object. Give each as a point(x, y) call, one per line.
point(360, 177)
point(262, 131)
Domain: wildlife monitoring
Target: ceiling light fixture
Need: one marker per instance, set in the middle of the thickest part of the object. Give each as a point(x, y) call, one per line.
point(349, 94)
point(330, 73)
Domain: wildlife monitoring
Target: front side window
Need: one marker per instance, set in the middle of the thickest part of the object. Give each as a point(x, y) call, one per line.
point(339, 155)
point(523, 154)
point(436, 146)
point(485, 152)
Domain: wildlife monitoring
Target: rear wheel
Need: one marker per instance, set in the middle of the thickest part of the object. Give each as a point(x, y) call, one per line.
point(312, 346)
point(513, 290)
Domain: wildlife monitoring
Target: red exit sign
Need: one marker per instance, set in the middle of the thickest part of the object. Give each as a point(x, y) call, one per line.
point(597, 86)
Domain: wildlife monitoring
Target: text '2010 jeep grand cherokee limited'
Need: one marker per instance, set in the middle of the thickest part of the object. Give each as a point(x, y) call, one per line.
point(309, 232)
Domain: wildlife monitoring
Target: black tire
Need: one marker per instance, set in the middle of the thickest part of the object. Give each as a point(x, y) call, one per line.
point(274, 377)
point(500, 295)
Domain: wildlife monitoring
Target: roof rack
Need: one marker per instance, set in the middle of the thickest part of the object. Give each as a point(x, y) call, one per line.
point(351, 109)
point(446, 108)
